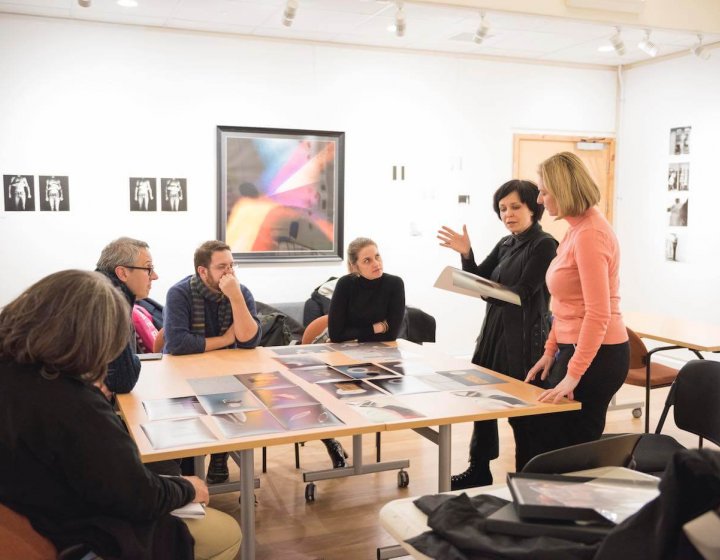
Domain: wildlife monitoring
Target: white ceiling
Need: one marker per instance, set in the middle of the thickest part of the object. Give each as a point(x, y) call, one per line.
point(439, 28)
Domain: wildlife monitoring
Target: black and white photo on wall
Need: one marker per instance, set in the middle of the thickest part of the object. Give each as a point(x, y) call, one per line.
point(173, 191)
point(143, 194)
point(19, 193)
point(678, 177)
point(680, 140)
point(677, 209)
point(54, 193)
point(671, 247)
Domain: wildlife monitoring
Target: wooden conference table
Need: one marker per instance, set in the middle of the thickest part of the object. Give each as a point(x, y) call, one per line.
point(168, 378)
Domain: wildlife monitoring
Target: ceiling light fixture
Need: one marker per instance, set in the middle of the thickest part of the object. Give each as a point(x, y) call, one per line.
point(700, 50)
point(482, 30)
point(617, 43)
point(85, 3)
point(399, 27)
point(647, 46)
point(289, 13)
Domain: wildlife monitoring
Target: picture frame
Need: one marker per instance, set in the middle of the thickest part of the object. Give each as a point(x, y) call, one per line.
point(281, 193)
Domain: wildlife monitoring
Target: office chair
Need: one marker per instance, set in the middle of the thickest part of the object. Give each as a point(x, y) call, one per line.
point(609, 451)
point(314, 329)
point(694, 396)
point(645, 373)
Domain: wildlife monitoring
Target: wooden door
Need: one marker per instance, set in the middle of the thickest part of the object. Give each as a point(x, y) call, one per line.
point(598, 154)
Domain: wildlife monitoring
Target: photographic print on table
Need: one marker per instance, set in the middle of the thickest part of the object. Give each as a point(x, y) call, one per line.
point(491, 400)
point(225, 403)
point(215, 385)
point(19, 193)
point(251, 423)
point(284, 396)
point(383, 409)
point(54, 193)
point(303, 360)
point(264, 380)
point(300, 349)
point(320, 374)
point(280, 193)
point(351, 389)
point(176, 433)
point(404, 385)
point(177, 407)
point(408, 367)
point(306, 417)
point(375, 354)
point(441, 382)
point(355, 345)
point(471, 377)
point(173, 194)
point(365, 371)
point(143, 194)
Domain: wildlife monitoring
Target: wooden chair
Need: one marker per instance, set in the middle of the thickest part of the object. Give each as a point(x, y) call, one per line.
point(159, 341)
point(20, 540)
point(314, 329)
point(645, 373)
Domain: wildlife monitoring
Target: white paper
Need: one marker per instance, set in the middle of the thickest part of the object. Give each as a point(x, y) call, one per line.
point(193, 510)
point(468, 284)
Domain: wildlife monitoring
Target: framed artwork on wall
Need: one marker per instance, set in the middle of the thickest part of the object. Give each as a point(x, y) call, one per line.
point(280, 193)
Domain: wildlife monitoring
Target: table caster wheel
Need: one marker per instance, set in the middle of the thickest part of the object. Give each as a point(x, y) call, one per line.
point(637, 412)
point(310, 492)
point(403, 479)
point(254, 497)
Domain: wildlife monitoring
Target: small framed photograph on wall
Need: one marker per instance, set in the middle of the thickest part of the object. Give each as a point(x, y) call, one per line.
point(173, 192)
point(143, 194)
point(19, 191)
point(54, 193)
point(280, 193)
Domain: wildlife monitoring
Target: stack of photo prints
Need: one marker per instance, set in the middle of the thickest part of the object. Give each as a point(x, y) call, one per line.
point(384, 384)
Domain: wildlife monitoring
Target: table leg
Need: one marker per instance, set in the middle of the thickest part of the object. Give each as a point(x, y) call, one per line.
point(444, 456)
point(247, 508)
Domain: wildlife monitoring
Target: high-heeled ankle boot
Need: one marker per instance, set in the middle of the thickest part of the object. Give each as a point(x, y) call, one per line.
point(477, 474)
point(218, 468)
point(336, 452)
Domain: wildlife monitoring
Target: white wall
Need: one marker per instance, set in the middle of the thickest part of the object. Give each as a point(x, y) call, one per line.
point(102, 103)
point(658, 97)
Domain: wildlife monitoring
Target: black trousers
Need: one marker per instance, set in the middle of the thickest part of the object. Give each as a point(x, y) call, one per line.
point(602, 379)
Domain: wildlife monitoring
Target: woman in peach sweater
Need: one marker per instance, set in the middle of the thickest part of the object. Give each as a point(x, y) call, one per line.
point(587, 353)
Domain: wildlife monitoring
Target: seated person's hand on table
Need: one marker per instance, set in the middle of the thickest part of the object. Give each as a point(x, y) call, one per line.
point(202, 495)
point(229, 335)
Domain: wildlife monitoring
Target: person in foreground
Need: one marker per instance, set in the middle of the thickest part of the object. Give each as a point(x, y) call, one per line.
point(512, 337)
point(367, 305)
point(210, 310)
point(66, 460)
point(587, 353)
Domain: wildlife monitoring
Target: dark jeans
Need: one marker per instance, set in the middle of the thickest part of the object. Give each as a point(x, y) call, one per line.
point(602, 379)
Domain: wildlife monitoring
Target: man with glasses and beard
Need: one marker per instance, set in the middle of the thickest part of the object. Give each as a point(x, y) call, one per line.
point(210, 310)
point(128, 264)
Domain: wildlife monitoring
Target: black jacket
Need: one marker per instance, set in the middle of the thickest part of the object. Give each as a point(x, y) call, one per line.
point(69, 465)
point(520, 264)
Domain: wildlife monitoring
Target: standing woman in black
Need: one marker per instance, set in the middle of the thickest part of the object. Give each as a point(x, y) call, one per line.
point(512, 337)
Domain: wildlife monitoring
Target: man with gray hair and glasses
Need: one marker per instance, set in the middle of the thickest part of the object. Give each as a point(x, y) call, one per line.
point(210, 310)
point(128, 264)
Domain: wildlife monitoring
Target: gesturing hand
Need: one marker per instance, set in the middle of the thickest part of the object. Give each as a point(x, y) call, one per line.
point(454, 240)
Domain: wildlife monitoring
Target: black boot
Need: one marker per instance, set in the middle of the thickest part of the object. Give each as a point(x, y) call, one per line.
point(477, 474)
point(218, 468)
point(336, 452)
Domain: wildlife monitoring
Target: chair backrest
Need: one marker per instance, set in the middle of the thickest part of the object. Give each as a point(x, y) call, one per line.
point(612, 451)
point(696, 397)
point(638, 351)
point(313, 330)
point(20, 540)
point(159, 341)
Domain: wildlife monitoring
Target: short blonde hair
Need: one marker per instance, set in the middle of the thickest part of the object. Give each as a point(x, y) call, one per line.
point(565, 176)
point(73, 323)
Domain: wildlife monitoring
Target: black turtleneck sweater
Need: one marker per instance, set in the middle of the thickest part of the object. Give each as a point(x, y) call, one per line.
point(358, 303)
point(123, 371)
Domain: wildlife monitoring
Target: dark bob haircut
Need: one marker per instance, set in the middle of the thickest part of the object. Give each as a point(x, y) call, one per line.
point(528, 193)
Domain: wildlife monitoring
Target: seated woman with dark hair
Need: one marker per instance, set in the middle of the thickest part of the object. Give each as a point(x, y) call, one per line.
point(66, 461)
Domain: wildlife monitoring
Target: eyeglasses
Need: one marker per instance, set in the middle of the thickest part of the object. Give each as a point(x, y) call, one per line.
point(226, 267)
point(149, 269)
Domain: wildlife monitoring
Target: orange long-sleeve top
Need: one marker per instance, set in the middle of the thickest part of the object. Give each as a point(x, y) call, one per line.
point(584, 283)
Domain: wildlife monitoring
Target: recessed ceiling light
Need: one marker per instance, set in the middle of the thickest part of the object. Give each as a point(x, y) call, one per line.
point(127, 3)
